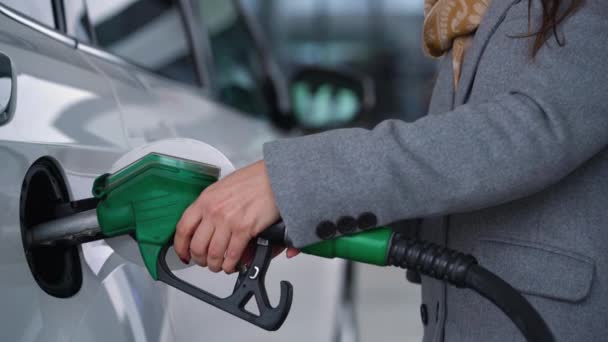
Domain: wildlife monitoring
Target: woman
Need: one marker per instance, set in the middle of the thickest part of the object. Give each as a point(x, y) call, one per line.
point(510, 164)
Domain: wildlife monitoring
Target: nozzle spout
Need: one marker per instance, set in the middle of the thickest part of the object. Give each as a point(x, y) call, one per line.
point(74, 229)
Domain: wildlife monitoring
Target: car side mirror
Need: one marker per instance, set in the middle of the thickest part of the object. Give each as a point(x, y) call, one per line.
point(323, 98)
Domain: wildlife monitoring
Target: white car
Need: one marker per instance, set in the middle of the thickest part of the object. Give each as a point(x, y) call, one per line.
point(81, 83)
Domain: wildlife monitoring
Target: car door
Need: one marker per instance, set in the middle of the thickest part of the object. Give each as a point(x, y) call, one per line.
point(158, 102)
point(161, 96)
point(60, 129)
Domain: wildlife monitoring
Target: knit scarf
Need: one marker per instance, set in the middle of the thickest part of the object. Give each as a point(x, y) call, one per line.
point(451, 24)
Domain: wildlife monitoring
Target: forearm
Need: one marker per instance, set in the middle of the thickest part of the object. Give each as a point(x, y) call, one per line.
point(473, 157)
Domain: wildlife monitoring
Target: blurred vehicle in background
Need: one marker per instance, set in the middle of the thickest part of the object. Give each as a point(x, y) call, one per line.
point(377, 38)
point(84, 81)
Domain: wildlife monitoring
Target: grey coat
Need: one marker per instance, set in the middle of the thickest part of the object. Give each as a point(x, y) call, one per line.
point(513, 169)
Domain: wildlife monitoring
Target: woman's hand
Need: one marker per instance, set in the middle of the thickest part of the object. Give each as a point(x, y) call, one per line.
point(215, 230)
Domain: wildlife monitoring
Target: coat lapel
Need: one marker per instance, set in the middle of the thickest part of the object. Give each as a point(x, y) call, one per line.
point(493, 18)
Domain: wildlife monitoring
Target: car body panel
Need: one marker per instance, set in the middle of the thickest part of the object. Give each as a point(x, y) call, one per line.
point(62, 110)
point(84, 109)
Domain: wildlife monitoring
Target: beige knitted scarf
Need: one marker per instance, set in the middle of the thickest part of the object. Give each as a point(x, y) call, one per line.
point(451, 24)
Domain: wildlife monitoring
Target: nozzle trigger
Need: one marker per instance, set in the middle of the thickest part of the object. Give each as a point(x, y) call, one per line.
point(250, 284)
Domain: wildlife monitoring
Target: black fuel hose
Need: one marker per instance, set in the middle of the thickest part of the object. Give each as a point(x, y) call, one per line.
point(510, 301)
point(462, 270)
point(458, 269)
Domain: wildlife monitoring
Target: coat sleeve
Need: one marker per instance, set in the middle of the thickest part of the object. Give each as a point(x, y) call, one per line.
point(552, 120)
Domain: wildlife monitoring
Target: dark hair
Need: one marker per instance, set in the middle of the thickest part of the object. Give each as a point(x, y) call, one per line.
point(554, 12)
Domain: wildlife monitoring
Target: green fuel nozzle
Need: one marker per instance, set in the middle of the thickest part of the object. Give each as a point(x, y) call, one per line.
point(147, 198)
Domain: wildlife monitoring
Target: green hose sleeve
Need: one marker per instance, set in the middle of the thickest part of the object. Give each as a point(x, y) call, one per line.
point(370, 247)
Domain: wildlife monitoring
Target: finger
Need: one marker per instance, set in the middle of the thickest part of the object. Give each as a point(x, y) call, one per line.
point(200, 242)
point(292, 252)
point(217, 249)
point(184, 231)
point(235, 250)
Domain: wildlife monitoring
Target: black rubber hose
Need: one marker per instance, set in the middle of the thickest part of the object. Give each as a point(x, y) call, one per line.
point(510, 301)
point(462, 270)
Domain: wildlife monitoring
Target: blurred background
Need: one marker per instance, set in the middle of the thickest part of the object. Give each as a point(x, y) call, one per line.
point(381, 39)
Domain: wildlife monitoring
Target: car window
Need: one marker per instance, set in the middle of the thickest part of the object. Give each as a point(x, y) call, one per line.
point(237, 66)
point(150, 33)
point(76, 20)
point(40, 10)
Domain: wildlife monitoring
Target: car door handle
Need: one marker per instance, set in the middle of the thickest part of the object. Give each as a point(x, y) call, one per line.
point(7, 89)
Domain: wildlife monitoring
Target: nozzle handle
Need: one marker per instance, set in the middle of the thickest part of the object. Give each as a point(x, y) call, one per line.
point(250, 284)
point(275, 234)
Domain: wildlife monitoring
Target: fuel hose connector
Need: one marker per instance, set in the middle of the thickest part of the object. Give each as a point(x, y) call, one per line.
point(430, 259)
